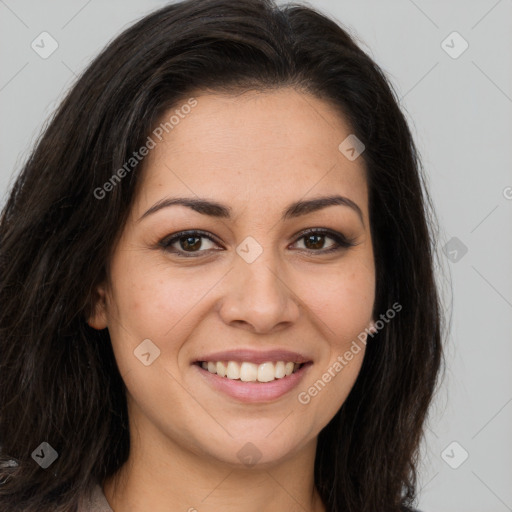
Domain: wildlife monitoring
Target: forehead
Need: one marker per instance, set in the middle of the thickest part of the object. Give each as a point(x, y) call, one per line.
point(254, 147)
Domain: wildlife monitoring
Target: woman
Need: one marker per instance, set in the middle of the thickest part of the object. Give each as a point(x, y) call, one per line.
point(217, 278)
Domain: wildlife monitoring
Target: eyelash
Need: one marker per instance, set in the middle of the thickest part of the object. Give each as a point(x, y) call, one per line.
point(341, 242)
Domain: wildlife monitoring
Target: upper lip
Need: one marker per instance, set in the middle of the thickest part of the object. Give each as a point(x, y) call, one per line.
point(255, 356)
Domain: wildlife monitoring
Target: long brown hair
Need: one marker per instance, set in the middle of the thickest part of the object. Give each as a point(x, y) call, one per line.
point(59, 381)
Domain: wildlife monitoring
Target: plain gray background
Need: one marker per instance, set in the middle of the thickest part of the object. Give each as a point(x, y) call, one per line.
point(459, 106)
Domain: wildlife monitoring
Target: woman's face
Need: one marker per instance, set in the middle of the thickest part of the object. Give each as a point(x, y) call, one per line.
point(251, 284)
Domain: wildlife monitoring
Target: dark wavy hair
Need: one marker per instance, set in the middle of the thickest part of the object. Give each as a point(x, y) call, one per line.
point(59, 381)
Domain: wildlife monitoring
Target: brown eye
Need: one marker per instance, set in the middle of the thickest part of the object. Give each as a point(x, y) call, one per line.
point(192, 243)
point(186, 243)
point(314, 241)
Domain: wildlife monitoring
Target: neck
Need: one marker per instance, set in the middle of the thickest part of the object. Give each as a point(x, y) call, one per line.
point(162, 475)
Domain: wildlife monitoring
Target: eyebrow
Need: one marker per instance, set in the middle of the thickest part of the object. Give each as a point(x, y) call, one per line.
point(215, 209)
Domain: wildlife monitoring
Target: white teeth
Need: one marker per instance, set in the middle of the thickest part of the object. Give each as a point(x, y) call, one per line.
point(280, 373)
point(233, 370)
point(248, 372)
point(266, 372)
point(221, 369)
point(251, 372)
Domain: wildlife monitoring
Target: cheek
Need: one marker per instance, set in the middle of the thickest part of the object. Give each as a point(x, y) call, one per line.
point(352, 309)
point(153, 300)
point(342, 299)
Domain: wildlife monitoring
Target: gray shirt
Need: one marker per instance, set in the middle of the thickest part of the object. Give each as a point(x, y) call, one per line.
point(97, 502)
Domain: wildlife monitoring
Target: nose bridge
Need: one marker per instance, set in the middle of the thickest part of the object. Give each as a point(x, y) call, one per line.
point(257, 269)
point(257, 292)
point(260, 276)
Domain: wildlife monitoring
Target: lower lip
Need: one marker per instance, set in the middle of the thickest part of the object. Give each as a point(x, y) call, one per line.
point(251, 392)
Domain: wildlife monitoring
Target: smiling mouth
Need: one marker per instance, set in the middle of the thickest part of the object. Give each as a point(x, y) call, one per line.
point(250, 372)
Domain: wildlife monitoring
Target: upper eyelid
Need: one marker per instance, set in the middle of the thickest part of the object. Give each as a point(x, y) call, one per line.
point(188, 232)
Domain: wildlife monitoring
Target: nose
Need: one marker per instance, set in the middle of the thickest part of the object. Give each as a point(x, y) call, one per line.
point(258, 297)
